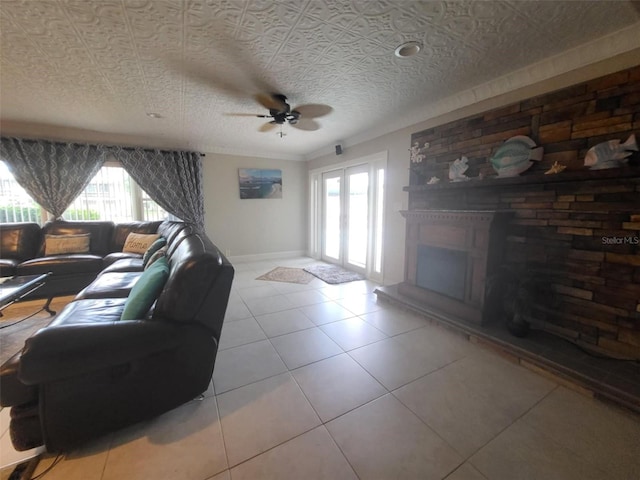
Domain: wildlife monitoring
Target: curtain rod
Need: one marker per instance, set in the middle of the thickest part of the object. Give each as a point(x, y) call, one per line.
point(77, 143)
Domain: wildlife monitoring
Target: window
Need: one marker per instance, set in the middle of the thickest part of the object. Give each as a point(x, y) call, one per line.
point(15, 204)
point(111, 195)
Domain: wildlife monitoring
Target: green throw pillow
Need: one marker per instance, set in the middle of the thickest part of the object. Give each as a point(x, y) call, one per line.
point(153, 248)
point(146, 290)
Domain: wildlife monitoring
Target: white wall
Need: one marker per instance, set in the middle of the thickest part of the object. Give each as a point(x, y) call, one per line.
point(397, 145)
point(256, 227)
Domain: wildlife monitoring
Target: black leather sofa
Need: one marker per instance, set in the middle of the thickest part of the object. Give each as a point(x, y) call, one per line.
point(22, 252)
point(89, 373)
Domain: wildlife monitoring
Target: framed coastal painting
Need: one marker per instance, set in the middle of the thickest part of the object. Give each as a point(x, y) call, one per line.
point(260, 183)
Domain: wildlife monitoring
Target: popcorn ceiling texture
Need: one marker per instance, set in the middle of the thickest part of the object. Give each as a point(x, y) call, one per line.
point(100, 65)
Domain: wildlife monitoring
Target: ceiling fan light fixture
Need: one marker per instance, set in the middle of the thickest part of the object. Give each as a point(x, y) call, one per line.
point(408, 49)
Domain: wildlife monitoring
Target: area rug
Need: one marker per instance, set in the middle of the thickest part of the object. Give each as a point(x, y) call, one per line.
point(333, 274)
point(286, 274)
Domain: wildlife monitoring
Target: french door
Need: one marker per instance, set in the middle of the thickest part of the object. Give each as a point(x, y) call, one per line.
point(346, 217)
point(347, 206)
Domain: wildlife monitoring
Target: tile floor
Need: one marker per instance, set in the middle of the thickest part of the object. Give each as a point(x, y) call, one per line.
point(322, 382)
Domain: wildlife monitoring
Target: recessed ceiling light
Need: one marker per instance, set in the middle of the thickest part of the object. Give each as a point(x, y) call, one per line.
point(408, 49)
point(154, 115)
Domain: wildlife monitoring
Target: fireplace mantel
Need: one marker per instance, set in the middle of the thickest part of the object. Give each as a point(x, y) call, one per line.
point(449, 254)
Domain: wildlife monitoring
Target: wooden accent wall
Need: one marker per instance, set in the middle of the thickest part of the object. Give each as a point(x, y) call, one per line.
point(581, 227)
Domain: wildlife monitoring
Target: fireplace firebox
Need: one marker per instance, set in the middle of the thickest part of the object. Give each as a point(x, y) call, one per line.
point(449, 255)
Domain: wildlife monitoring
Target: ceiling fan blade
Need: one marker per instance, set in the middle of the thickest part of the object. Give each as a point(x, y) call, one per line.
point(267, 127)
point(313, 110)
point(306, 124)
point(258, 115)
point(269, 102)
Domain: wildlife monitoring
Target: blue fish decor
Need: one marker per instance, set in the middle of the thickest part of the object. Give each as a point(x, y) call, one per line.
point(610, 154)
point(515, 156)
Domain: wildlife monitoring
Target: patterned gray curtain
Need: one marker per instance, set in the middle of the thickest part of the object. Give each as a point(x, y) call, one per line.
point(53, 173)
point(172, 179)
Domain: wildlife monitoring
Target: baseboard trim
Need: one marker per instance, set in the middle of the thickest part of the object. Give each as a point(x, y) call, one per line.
point(267, 256)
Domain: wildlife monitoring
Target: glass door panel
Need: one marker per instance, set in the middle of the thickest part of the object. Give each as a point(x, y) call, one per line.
point(357, 233)
point(332, 216)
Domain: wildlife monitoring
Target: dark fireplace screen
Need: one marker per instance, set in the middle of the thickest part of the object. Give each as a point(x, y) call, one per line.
point(442, 270)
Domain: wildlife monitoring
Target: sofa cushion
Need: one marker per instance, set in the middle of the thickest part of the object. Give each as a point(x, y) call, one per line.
point(8, 267)
point(101, 233)
point(72, 263)
point(139, 242)
point(117, 256)
point(146, 290)
point(94, 310)
point(125, 265)
point(62, 244)
point(156, 256)
point(110, 285)
point(20, 241)
point(122, 231)
point(153, 248)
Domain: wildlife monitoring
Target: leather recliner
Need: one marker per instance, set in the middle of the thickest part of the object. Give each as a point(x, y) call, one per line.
point(89, 373)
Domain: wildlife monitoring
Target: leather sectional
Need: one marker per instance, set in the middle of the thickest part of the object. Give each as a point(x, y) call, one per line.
point(89, 372)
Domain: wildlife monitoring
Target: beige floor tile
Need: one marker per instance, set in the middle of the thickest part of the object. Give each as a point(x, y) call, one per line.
point(308, 297)
point(463, 417)
point(509, 387)
point(383, 439)
point(466, 471)
point(304, 347)
point(394, 321)
point(236, 310)
point(281, 323)
point(523, 453)
point(311, 456)
point(261, 291)
point(86, 463)
point(352, 333)
point(607, 437)
point(392, 364)
point(183, 444)
point(242, 365)
point(260, 416)
point(261, 306)
point(336, 385)
point(439, 345)
point(240, 332)
point(226, 475)
point(326, 312)
point(360, 304)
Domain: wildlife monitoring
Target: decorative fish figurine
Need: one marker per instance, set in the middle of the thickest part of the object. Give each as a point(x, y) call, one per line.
point(457, 169)
point(433, 181)
point(610, 154)
point(515, 155)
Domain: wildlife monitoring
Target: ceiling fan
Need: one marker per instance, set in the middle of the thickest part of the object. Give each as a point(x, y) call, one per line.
point(280, 112)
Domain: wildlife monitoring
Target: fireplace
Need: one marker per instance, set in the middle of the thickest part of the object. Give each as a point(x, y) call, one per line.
point(449, 255)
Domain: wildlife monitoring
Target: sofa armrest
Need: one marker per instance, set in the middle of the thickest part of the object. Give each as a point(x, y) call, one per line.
point(64, 351)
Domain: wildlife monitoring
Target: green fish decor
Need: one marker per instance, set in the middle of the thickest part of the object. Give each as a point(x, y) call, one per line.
point(515, 156)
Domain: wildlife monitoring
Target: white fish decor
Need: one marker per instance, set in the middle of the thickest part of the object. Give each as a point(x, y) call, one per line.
point(457, 170)
point(515, 156)
point(433, 181)
point(610, 154)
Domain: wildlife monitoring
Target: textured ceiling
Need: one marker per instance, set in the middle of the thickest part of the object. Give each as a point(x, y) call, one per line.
point(101, 65)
